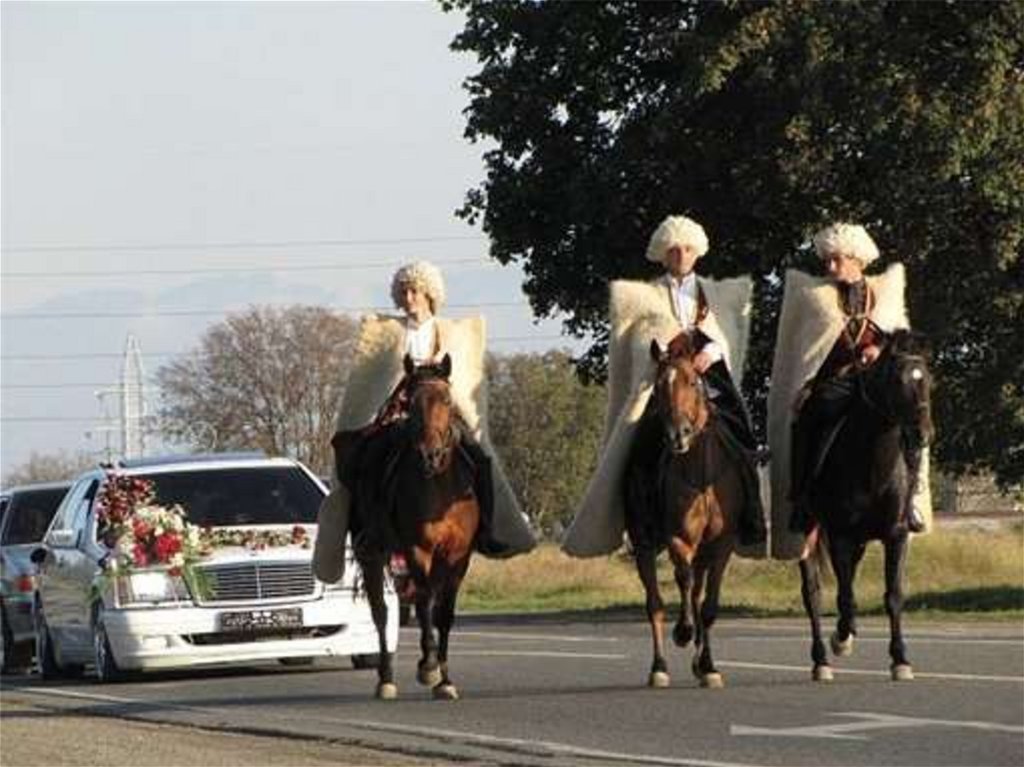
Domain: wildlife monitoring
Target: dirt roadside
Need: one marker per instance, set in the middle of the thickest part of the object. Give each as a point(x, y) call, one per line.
point(35, 735)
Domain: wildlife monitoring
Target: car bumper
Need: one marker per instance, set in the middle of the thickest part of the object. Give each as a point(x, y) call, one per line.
point(179, 636)
point(18, 614)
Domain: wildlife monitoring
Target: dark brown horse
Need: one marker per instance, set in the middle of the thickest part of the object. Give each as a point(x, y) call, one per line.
point(863, 492)
point(428, 502)
point(683, 491)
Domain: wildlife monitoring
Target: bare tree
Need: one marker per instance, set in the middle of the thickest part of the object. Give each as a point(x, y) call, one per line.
point(48, 467)
point(267, 379)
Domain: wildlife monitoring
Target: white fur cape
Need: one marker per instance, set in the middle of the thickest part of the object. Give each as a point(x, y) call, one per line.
point(809, 325)
point(376, 370)
point(640, 312)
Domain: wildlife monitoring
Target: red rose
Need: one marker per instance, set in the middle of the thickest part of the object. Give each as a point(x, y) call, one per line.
point(167, 545)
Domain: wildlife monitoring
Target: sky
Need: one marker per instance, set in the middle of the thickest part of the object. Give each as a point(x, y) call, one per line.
point(166, 163)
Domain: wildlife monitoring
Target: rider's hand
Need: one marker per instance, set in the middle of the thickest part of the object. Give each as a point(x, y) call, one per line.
point(702, 362)
point(869, 354)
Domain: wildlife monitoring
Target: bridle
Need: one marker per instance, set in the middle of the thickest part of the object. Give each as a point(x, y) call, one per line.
point(435, 459)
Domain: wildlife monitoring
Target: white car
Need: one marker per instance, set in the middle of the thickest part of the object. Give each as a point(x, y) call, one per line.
point(255, 603)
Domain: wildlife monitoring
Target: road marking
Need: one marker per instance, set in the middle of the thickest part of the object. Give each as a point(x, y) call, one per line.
point(869, 721)
point(543, 637)
point(533, 747)
point(885, 640)
point(536, 747)
point(868, 672)
point(541, 654)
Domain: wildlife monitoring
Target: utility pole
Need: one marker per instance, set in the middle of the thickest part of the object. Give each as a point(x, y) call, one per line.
point(133, 401)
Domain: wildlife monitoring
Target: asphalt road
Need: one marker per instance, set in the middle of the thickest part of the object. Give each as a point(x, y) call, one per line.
point(572, 690)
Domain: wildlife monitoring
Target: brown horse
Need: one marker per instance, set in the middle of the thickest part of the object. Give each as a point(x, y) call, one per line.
point(863, 491)
point(683, 491)
point(427, 498)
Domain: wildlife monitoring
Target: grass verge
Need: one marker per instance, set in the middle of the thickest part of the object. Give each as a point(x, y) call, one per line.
point(949, 571)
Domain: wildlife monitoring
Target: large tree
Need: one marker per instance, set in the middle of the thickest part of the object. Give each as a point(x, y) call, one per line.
point(765, 120)
point(268, 379)
point(546, 427)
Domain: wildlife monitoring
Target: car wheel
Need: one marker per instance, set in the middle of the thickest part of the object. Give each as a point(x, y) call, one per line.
point(370, 660)
point(107, 669)
point(295, 661)
point(46, 661)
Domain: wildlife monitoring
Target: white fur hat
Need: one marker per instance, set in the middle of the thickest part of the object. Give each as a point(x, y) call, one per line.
point(850, 240)
point(676, 231)
point(422, 275)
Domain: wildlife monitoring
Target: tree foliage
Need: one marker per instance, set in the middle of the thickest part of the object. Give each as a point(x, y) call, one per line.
point(268, 379)
point(764, 121)
point(49, 467)
point(546, 428)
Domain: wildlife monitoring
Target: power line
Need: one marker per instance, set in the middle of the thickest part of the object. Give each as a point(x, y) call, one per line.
point(209, 312)
point(124, 273)
point(103, 355)
point(233, 245)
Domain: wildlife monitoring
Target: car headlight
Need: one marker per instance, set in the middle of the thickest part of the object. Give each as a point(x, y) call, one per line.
point(155, 586)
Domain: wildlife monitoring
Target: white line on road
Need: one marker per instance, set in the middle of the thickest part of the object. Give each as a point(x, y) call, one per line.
point(868, 721)
point(542, 654)
point(542, 748)
point(868, 672)
point(542, 637)
point(539, 747)
point(885, 639)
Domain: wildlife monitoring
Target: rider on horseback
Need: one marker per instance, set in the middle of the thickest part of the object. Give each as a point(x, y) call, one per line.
point(716, 312)
point(368, 435)
point(418, 290)
point(677, 244)
point(825, 399)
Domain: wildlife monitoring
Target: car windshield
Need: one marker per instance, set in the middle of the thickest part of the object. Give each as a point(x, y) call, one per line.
point(266, 495)
point(31, 512)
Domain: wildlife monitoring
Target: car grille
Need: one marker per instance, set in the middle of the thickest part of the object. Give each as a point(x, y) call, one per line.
point(257, 580)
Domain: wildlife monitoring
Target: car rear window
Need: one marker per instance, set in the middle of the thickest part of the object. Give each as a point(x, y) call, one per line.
point(31, 512)
point(275, 495)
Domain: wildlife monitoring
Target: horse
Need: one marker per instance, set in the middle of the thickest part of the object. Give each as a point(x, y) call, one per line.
point(683, 491)
point(863, 491)
point(427, 504)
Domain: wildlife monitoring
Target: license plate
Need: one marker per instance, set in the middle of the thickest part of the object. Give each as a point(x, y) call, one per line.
point(256, 620)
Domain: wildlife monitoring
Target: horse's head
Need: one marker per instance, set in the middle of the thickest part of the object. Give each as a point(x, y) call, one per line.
point(432, 416)
point(899, 383)
point(679, 391)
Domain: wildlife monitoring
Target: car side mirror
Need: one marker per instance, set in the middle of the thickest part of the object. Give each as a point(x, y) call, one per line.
point(38, 556)
point(65, 538)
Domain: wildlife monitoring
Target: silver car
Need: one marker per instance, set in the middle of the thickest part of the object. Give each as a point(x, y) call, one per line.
point(256, 603)
point(25, 513)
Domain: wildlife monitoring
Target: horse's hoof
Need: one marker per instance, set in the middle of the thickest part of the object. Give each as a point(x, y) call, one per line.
point(902, 672)
point(841, 648)
point(682, 635)
point(446, 691)
point(387, 691)
point(428, 677)
point(659, 680)
point(822, 673)
point(712, 681)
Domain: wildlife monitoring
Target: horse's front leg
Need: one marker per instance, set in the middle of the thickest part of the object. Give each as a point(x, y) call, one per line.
point(646, 566)
point(373, 575)
point(710, 571)
point(427, 670)
point(810, 591)
point(445, 619)
point(895, 564)
point(682, 553)
point(846, 555)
